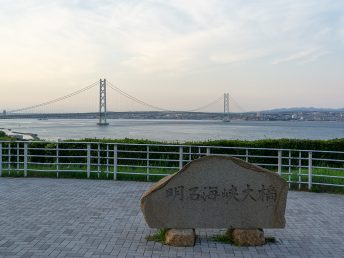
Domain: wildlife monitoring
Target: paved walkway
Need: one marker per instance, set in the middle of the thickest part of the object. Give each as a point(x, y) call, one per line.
point(94, 218)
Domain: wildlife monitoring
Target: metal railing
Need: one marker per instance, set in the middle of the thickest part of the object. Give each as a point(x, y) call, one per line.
point(301, 168)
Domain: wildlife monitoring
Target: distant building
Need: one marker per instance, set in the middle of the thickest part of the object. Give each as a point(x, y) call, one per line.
point(4, 112)
point(258, 115)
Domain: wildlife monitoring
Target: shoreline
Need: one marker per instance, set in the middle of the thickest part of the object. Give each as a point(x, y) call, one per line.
point(19, 135)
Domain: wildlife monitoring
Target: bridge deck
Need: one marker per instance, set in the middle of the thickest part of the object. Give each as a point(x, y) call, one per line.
point(94, 218)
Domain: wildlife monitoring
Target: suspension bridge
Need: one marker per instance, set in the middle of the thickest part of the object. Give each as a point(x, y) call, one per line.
point(103, 86)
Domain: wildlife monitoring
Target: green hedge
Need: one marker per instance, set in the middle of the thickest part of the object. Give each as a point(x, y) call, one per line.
point(327, 145)
point(300, 144)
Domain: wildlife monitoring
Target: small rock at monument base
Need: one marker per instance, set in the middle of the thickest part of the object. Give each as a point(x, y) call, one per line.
point(246, 237)
point(180, 237)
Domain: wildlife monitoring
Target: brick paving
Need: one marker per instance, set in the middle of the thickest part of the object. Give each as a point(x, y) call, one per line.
point(99, 218)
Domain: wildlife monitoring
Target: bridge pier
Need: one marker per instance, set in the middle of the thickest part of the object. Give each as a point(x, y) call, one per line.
point(226, 107)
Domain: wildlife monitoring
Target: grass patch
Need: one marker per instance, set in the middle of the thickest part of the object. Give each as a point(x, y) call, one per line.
point(222, 238)
point(159, 236)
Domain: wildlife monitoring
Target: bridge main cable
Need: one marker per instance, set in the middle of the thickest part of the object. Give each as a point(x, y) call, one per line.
point(57, 99)
point(120, 91)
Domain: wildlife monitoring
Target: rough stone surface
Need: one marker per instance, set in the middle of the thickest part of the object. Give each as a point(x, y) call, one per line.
point(180, 237)
point(43, 217)
point(217, 192)
point(246, 237)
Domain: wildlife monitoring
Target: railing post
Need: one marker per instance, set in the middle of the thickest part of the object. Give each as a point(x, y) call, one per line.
point(246, 156)
point(180, 157)
point(98, 159)
point(310, 170)
point(147, 163)
point(25, 159)
point(115, 158)
point(208, 151)
point(9, 160)
point(18, 156)
point(289, 169)
point(279, 162)
point(300, 169)
point(0, 159)
point(107, 160)
point(57, 160)
point(88, 160)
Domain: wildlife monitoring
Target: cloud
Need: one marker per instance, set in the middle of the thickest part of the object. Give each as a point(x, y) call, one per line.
point(63, 39)
point(304, 56)
point(238, 56)
point(176, 36)
point(219, 32)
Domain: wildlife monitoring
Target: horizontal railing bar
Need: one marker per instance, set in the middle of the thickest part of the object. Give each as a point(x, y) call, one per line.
point(162, 152)
point(329, 168)
point(72, 170)
point(152, 152)
point(298, 182)
point(71, 164)
point(55, 171)
point(332, 160)
point(54, 156)
point(39, 163)
point(42, 170)
point(130, 166)
point(329, 176)
point(141, 174)
point(173, 145)
point(54, 163)
point(60, 149)
point(262, 164)
point(326, 184)
point(143, 159)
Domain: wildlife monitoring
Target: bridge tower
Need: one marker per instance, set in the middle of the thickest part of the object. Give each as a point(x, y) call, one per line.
point(102, 103)
point(226, 107)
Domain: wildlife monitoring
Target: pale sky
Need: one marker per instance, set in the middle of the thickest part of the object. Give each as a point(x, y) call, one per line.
point(174, 54)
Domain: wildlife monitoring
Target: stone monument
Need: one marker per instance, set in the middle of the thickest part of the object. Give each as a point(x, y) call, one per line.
point(217, 192)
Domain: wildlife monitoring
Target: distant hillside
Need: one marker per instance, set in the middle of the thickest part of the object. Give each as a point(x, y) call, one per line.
point(303, 109)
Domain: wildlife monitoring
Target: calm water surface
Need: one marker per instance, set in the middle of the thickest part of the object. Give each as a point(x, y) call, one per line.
point(175, 130)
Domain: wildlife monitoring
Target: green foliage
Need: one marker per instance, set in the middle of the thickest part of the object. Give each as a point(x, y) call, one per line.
point(2, 134)
point(4, 137)
point(164, 158)
point(222, 238)
point(299, 144)
point(159, 236)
